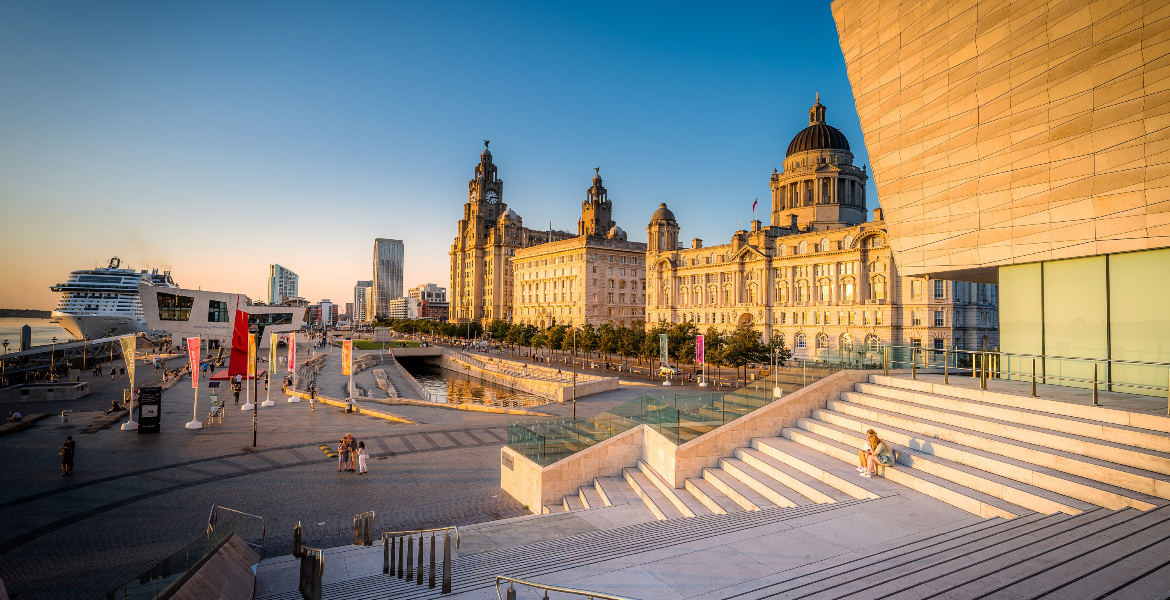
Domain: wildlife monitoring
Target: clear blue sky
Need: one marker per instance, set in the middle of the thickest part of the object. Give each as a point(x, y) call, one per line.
point(214, 138)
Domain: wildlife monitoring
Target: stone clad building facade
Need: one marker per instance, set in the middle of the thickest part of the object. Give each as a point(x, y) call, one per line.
point(820, 277)
point(488, 236)
point(596, 277)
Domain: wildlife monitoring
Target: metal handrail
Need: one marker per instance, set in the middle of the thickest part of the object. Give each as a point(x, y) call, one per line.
point(985, 364)
point(549, 588)
point(385, 534)
point(363, 526)
point(213, 519)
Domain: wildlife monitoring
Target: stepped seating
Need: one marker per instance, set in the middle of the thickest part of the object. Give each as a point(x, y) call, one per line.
point(994, 456)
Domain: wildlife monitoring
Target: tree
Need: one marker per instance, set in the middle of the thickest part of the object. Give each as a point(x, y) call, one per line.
point(556, 336)
point(609, 340)
point(682, 342)
point(632, 339)
point(744, 348)
point(499, 329)
point(587, 339)
point(714, 342)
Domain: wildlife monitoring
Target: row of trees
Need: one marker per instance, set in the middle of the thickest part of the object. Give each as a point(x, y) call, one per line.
point(738, 348)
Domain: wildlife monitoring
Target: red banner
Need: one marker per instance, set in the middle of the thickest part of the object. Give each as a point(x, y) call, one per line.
point(292, 351)
point(193, 354)
point(347, 357)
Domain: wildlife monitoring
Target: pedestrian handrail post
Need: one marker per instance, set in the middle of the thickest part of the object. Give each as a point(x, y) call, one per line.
point(312, 568)
point(363, 526)
point(398, 555)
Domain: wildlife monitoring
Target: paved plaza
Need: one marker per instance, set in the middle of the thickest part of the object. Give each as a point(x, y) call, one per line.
point(136, 498)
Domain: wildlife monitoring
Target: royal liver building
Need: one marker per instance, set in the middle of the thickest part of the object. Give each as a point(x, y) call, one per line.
point(820, 276)
point(481, 255)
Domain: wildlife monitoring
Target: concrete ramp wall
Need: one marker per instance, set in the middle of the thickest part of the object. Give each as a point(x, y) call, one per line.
point(227, 575)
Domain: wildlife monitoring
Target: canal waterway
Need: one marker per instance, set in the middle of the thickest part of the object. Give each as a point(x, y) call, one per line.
point(448, 386)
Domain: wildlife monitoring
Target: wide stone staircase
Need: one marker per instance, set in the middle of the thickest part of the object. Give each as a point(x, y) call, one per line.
point(1073, 500)
point(991, 454)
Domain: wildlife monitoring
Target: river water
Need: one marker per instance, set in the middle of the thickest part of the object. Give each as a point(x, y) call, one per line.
point(43, 332)
point(452, 387)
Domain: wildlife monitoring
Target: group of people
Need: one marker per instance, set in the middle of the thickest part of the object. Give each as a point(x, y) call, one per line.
point(351, 455)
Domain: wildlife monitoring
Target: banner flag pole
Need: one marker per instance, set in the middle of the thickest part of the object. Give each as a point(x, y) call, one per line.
point(251, 373)
point(272, 341)
point(129, 343)
point(193, 353)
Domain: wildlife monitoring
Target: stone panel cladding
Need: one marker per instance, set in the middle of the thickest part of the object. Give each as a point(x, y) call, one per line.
point(1013, 132)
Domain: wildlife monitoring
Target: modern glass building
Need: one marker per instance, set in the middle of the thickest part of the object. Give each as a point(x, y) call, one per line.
point(282, 284)
point(361, 309)
point(388, 257)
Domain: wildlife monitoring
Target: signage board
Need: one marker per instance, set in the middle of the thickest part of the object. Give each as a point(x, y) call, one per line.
point(149, 409)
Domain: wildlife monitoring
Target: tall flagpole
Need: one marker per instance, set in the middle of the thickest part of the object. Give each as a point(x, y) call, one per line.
point(250, 372)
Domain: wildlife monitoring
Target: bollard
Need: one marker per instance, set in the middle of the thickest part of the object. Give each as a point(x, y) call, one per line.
point(1095, 402)
point(431, 583)
point(446, 562)
point(511, 591)
point(385, 555)
point(401, 555)
point(410, 557)
point(419, 580)
point(369, 541)
point(946, 363)
point(1033, 378)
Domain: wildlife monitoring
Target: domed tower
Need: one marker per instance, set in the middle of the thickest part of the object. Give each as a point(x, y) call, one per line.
point(662, 232)
point(819, 188)
point(596, 210)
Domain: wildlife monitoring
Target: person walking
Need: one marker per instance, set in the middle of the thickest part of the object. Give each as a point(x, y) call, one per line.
point(67, 456)
point(362, 456)
point(236, 391)
point(113, 373)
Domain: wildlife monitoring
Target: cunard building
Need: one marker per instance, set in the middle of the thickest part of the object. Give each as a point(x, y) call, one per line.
point(488, 237)
point(820, 276)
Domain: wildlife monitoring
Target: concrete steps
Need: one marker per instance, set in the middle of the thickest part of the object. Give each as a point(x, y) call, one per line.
point(968, 499)
point(850, 433)
point(1112, 450)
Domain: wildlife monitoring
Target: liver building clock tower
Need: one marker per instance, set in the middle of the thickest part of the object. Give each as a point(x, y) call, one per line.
point(481, 255)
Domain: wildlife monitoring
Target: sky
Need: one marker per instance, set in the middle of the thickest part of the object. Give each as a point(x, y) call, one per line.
point(214, 138)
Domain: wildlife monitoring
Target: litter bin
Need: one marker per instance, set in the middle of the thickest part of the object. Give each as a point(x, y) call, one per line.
point(66, 418)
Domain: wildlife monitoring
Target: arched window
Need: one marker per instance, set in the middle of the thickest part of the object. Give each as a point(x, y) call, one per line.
point(711, 295)
point(824, 291)
point(726, 296)
point(875, 242)
point(803, 248)
point(824, 244)
point(873, 343)
point(847, 291)
point(751, 294)
point(848, 242)
point(798, 341)
point(825, 194)
point(711, 259)
point(822, 341)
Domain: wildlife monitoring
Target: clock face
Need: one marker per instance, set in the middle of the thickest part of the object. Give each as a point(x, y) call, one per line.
point(491, 197)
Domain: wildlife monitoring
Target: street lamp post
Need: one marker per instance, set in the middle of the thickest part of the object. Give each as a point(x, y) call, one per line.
point(4, 367)
point(53, 358)
point(574, 361)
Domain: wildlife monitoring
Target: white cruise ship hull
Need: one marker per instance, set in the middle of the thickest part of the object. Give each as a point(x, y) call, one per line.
point(98, 325)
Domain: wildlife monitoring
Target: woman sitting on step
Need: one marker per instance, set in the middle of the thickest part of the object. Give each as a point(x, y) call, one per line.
point(876, 453)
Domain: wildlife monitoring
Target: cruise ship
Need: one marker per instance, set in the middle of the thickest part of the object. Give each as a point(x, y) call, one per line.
point(99, 302)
